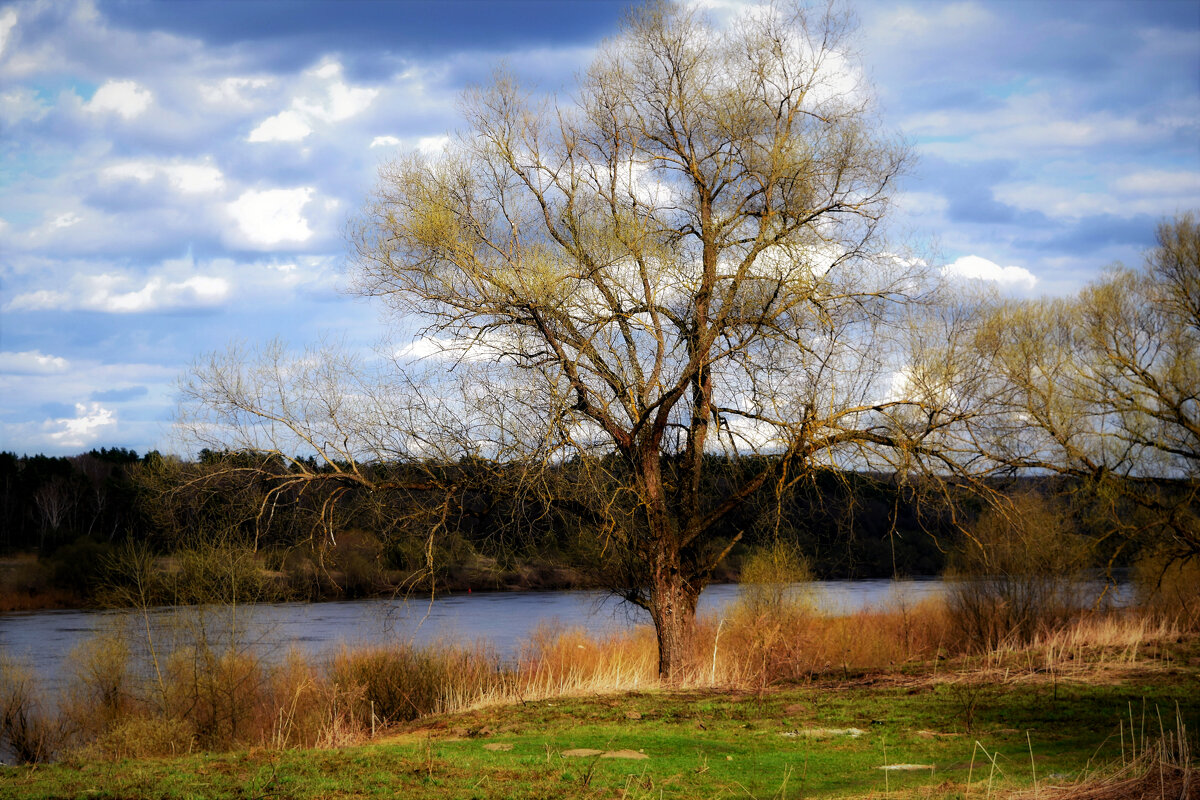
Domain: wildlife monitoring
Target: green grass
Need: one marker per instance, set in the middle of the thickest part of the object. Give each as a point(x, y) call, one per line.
point(701, 744)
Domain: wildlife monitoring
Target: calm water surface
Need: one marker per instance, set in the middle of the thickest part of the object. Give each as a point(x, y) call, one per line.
point(504, 620)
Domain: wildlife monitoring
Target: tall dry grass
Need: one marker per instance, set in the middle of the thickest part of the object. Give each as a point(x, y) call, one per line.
point(201, 691)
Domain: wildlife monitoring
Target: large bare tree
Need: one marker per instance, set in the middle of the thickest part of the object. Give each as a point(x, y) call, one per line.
point(681, 261)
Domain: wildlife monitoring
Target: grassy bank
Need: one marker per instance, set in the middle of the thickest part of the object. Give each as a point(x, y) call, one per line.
point(967, 729)
point(779, 701)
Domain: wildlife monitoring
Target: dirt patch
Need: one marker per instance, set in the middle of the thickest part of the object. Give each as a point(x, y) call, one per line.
point(937, 735)
point(587, 752)
point(824, 733)
point(581, 752)
point(632, 754)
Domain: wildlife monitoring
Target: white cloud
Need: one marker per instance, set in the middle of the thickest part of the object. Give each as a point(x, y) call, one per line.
point(1062, 202)
point(385, 141)
point(432, 145)
point(66, 220)
point(113, 294)
point(125, 98)
point(341, 102)
point(979, 268)
point(32, 362)
point(333, 101)
point(232, 91)
point(953, 20)
point(84, 427)
point(186, 178)
point(194, 178)
point(273, 216)
point(21, 104)
point(8, 21)
point(286, 126)
point(329, 69)
point(1161, 182)
point(462, 350)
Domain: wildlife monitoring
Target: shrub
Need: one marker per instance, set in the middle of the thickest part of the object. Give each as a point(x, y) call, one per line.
point(1169, 587)
point(768, 627)
point(404, 682)
point(141, 737)
point(1018, 574)
point(102, 689)
point(28, 731)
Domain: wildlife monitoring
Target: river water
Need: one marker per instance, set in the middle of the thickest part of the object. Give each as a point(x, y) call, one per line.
point(42, 640)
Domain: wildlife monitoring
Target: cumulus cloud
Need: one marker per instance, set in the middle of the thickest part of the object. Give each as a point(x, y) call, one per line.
point(385, 141)
point(66, 220)
point(125, 98)
point(184, 177)
point(979, 268)
point(112, 293)
point(331, 100)
point(235, 91)
point(286, 126)
point(32, 362)
point(338, 101)
point(89, 420)
point(432, 145)
point(273, 216)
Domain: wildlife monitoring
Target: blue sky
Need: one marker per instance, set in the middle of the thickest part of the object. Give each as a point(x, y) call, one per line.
point(176, 176)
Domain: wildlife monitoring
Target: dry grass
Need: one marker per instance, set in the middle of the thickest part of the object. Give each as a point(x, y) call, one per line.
point(567, 661)
point(1160, 768)
point(193, 692)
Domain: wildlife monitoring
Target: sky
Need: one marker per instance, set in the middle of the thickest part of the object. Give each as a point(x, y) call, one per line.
point(178, 176)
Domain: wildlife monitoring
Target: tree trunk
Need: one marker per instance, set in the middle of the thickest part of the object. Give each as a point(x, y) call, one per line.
point(673, 609)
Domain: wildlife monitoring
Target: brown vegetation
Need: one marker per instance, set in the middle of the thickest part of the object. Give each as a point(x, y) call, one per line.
point(193, 690)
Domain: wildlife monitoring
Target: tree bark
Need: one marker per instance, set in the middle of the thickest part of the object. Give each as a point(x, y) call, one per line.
point(673, 608)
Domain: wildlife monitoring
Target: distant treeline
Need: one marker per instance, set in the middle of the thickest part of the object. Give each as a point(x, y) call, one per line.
point(75, 512)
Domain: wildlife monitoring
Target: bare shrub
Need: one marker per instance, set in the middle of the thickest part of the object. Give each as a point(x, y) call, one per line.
point(29, 732)
point(299, 699)
point(403, 682)
point(770, 628)
point(223, 695)
point(141, 737)
point(102, 691)
point(1018, 574)
point(1170, 587)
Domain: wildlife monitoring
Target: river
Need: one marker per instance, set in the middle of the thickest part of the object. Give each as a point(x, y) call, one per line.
point(42, 640)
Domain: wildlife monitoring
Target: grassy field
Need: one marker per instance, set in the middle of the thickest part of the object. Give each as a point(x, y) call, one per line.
point(1009, 723)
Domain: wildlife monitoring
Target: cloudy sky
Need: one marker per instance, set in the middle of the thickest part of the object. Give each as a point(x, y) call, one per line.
point(175, 176)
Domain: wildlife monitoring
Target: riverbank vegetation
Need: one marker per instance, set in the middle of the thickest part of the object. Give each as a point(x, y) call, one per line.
point(802, 703)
